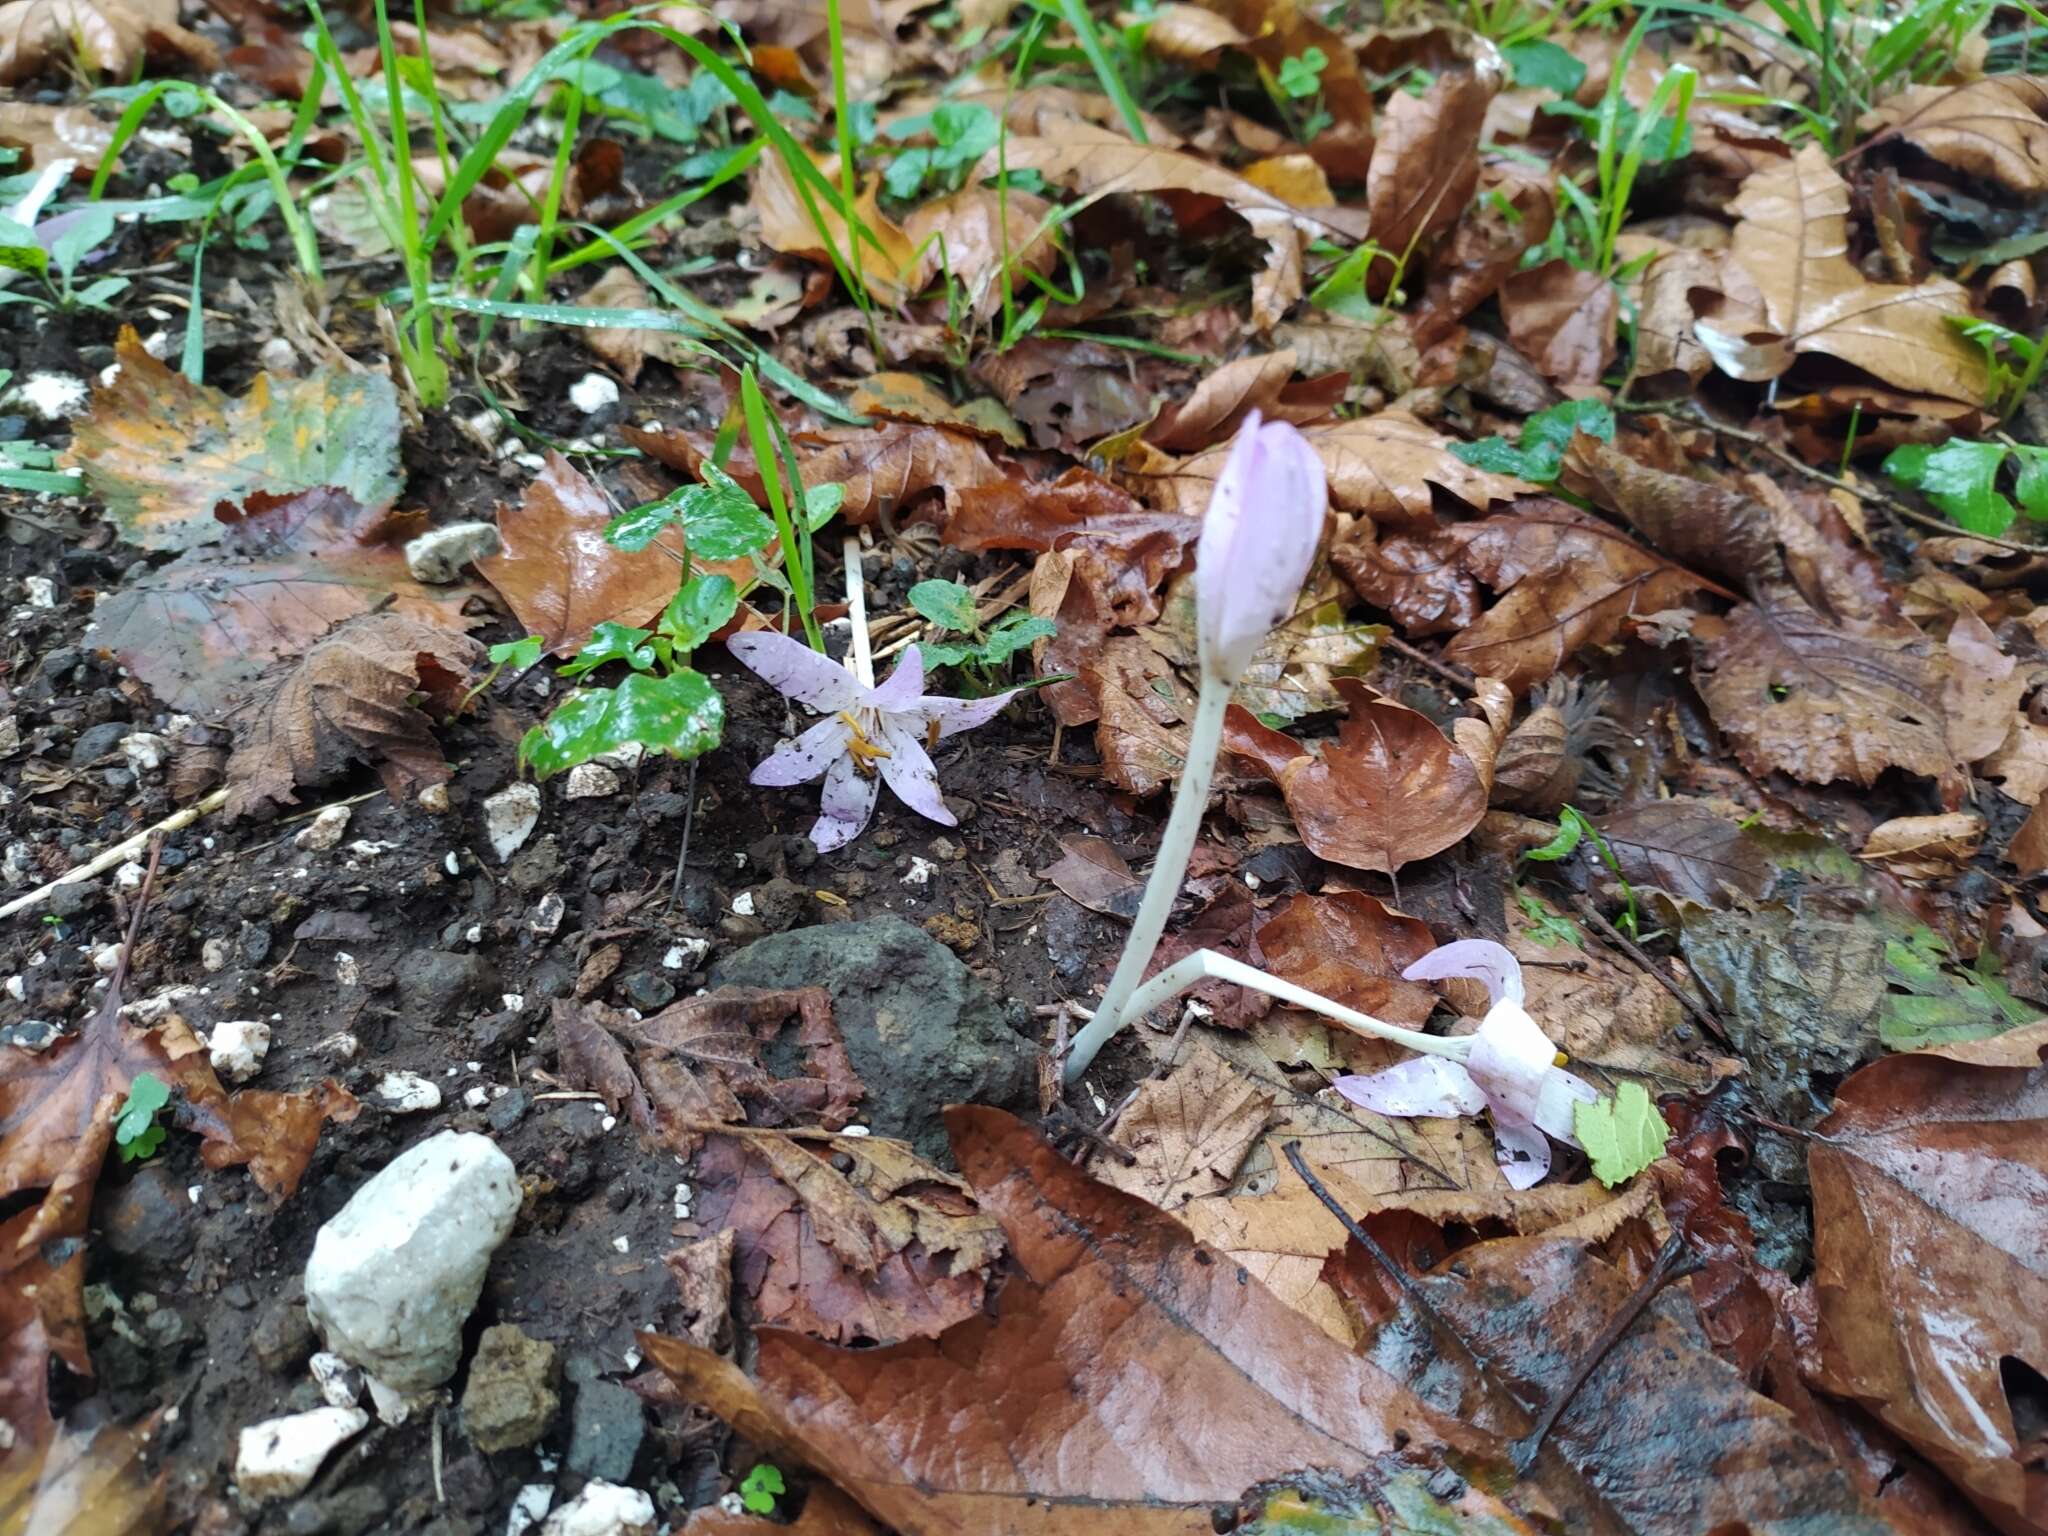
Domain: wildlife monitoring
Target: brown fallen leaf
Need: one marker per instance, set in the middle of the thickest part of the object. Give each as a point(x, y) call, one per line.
point(1994, 129)
point(702, 1270)
point(1688, 851)
point(1389, 790)
point(1426, 163)
point(1220, 403)
point(352, 699)
point(2028, 850)
point(1190, 34)
point(1278, 30)
point(1512, 214)
point(167, 455)
point(1925, 847)
point(1790, 258)
point(1090, 871)
point(203, 631)
point(1564, 319)
point(85, 1482)
point(969, 235)
point(1420, 580)
point(558, 573)
point(104, 37)
point(1071, 393)
point(623, 349)
point(913, 397)
point(1041, 1434)
point(1668, 358)
point(1929, 1231)
point(588, 1056)
point(1713, 528)
point(1568, 581)
point(826, 1512)
point(47, 133)
point(1820, 701)
point(875, 248)
point(1186, 1132)
point(1351, 948)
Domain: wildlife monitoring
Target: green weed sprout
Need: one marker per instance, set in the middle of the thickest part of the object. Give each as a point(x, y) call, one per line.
point(1573, 826)
point(949, 606)
point(762, 1485)
point(136, 1133)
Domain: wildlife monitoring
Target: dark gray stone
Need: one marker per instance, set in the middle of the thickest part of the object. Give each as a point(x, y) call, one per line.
point(350, 1511)
point(507, 1110)
point(605, 1432)
point(647, 991)
point(283, 1338)
point(433, 983)
point(97, 741)
point(148, 1220)
point(921, 1031)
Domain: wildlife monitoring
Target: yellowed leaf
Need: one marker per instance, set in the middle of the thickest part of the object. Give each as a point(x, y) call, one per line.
point(883, 255)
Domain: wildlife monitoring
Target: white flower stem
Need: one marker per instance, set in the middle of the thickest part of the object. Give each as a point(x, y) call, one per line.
point(1206, 965)
point(1176, 846)
point(861, 656)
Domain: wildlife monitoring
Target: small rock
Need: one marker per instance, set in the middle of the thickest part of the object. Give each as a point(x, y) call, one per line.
point(339, 1382)
point(52, 397)
point(396, 1272)
point(352, 1511)
point(280, 1457)
point(603, 1509)
point(342, 1046)
point(434, 800)
point(529, 1505)
point(511, 1398)
point(145, 751)
point(919, 874)
point(508, 1110)
point(98, 741)
point(282, 1337)
point(214, 954)
point(10, 735)
point(324, 830)
point(686, 954)
point(236, 1047)
point(593, 393)
point(647, 991)
point(148, 1218)
point(624, 758)
point(437, 557)
point(591, 781)
point(605, 1431)
point(40, 591)
point(510, 817)
point(546, 916)
point(279, 357)
point(435, 983)
point(407, 1093)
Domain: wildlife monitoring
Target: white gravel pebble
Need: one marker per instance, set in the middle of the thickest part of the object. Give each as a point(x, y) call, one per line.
point(280, 1457)
point(324, 830)
point(236, 1047)
point(406, 1093)
point(593, 392)
point(510, 817)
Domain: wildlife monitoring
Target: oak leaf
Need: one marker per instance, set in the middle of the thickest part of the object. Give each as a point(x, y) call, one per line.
point(166, 455)
point(1994, 129)
point(1220, 403)
point(351, 699)
point(1564, 319)
point(1426, 163)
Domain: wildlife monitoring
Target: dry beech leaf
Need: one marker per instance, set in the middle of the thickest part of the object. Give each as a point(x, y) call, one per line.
point(887, 263)
point(164, 453)
point(558, 573)
point(1929, 1227)
point(1513, 215)
point(1925, 847)
point(622, 349)
point(1186, 1132)
point(203, 630)
point(106, 37)
point(1220, 403)
point(1567, 579)
point(1799, 695)
point(1090, 871)
point(1351, 948)
point(49, 133)
point(1792, 247)
point(1668, 357)
point(349, 700)
point(1564, 319)
point(1426, 163)
point(1296, 179)
point(1994, 129)
point(1389, 790)
point(1190, 34)
point(913, 397)
point(1023, 1422)
point(964, 235)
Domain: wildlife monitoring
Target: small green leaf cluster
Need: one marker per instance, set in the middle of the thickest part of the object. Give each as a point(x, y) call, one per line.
point(1537, 453)
point(962, 132)
point(1962, 478)
point(136, 1133)
point(981, 653)
point(761, 1487)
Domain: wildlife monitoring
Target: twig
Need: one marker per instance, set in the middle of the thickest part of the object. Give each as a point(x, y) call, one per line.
point(1457, 678)
point(1674, 1261)
point(1584, 907)
point(126, 849)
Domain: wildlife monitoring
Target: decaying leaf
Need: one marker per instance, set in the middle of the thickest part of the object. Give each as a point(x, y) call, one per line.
point(1090, 871)
point(85, 1482)
point(104, 37)
point(203, 630)
point(1925, 847)
point(876, 248)
point(350, 699)
point(1688, 851)
point(1994, 129)
point(1351, 948)
point(1426, 163)
point(968, 235)
point(1220, 403)
point(1187, 1132)
point(1564, 319)
point(558, 573)
point(1929, 1231)
point(166, 455)
point(1024, 1422)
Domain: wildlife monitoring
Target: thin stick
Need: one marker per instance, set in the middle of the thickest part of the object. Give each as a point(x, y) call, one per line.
point(122, 851)
point(1460, 680)
point(863, 657)
point(1613, 935)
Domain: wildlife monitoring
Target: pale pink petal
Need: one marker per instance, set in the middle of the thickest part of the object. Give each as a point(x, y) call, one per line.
point(909, 772)
point(1480, 958)
point(1510, 1059)
point(902, 689)
point(846, 805)
point(1561, 1090)
point(802, 760)
point(1422, 1085)
point(1521, 1151)
point(796, 671)
point(1259, 536)
point(957, 715)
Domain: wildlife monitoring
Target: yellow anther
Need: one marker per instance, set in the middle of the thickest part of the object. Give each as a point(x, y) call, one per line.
point(1560, 1059)
point(864, 752)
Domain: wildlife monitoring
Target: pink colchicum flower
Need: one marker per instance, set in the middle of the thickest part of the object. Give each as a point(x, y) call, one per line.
point(1511, 1072)
point(869, 736)
point(1259, 537)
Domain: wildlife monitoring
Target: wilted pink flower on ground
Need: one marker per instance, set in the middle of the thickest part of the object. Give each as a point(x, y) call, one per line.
point(1259, 536)
point(1512, 1071)
point(869, 736)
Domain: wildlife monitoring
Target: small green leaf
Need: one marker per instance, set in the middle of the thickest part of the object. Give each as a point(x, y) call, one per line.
point(1622, 1135)
point(1545, 67)
point(1960, 477)
point(759, 1489)
point(946, 604)
point(146, 1095)
point(703, 607)
point(720, 519)
point(1538, 451)
point(1016, 633)
point(634, 530)
point(1302, 75)
point(2032, 489)
point(1571, 826)
point(681, 715)
point(822, 504)
point(517, 654)
point(613, 642)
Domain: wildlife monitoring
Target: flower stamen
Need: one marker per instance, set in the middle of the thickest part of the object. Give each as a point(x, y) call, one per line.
point(865, 754)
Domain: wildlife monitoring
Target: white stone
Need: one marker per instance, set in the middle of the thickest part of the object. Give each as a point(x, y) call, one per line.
point(10, 735)
point(157, 1007)
point(686, 954)
point(406, 1093)
point(397, 1271)
point(53, 396)
point(510, 817)
point(280, 1457)
point(214, 954)
point(437, 557)
point(920, 873)
point(623, 1243)
point(342, 1046)
point(145, 750)
point(40, 590)
point(236, 1047)
point(15, 988)
point(434, 801)
point(129, 876)
point(625, 758)
point(451, 863)
point(346, 972)
point(392, 1405)
point(528, 1505)
point(603, 1509)
point(593, 392)
point(106, 959)
point(276, 356)
point(367, 849)
point(340, 1383)
point(324, 830)
point(477, 1097)
point(591, 781)
point(682, 1202)
point(547, 913)
point(743, 904)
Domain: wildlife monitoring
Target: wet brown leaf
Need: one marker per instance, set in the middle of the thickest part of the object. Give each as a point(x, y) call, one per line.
point(588, 1055)
point(1389, 790)
point(965, 236)
point(1791, 254)
point(1351, 948)
point(887, 262)
point(1819, 701)
point(1022, 1421)
point(1564, 319)
point(1425, 166)
point(1713, 528)
point(1668, 357)
point(49, 133)
point(1420, 580)
point(1090, 871)
point(1220, 403)
point(104, 37)
point(1990, 130)
point(351, 700)
point(1925, 847)
point(84, 1482)
point(169, 457)
point(1568, 581)
point(624, 350)
point(1512, 214)
point(202, 631)
point(1190, 34)
point(558, 573)
point(1688, 851)
point(1186, 1132)
point(1930, 1222)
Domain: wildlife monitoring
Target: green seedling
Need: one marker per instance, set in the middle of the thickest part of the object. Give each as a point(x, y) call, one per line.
point(980, 653)
point(519, 655)
point(136, 1133)
point(2014, 360)
point(1573, 825)
point(962, 132)
point(1300, 79)
point(761, 1487)
point(1537, 453)
point(1963, 478)
point(1546, 927)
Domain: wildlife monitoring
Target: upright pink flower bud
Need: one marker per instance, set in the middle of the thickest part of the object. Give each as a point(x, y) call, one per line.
point(1264, 521)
